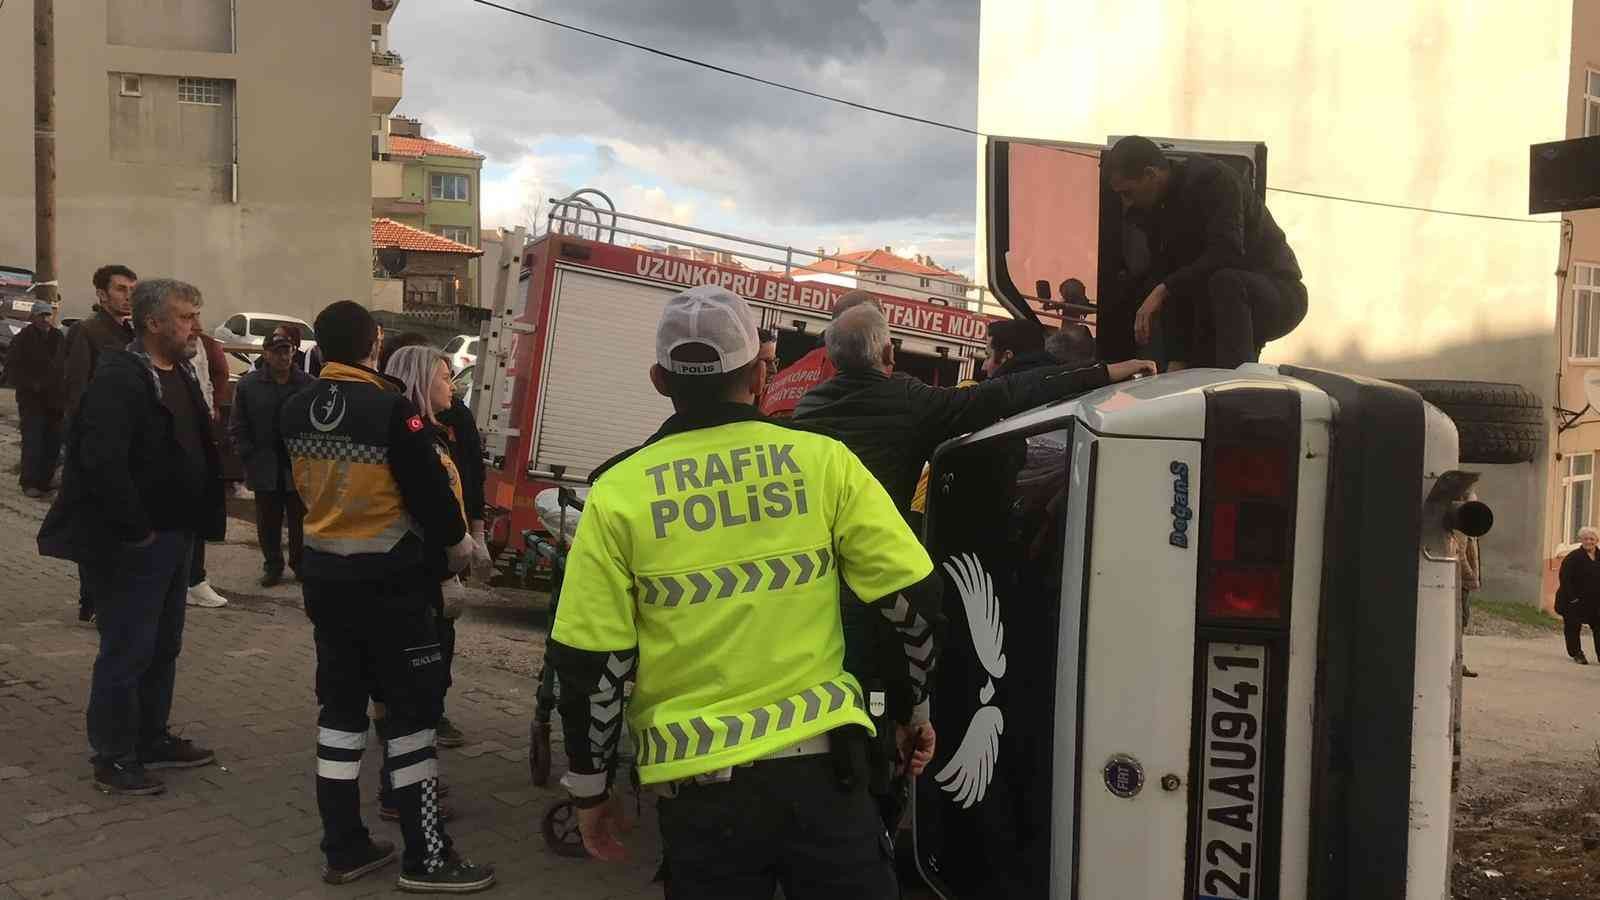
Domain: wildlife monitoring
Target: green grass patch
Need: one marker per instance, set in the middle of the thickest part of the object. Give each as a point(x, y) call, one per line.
point(1521, 613)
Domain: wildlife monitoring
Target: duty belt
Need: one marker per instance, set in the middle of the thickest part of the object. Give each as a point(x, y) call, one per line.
point(812, 746)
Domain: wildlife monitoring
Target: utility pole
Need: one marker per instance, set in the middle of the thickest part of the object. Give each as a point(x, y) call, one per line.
point(44, 149)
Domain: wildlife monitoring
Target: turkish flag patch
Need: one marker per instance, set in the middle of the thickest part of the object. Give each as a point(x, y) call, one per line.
point(414, 423)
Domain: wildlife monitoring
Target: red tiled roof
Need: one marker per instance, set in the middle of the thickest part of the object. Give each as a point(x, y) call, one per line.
point(876, 259)
point(389, 234)
point(419, 147)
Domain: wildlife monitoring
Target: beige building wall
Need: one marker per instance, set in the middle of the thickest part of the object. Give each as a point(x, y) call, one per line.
point(150, 182)
point(1431, 103)
point(1570, 498)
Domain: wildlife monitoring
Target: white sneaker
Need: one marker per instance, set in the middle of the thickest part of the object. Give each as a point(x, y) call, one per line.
point(202, 594)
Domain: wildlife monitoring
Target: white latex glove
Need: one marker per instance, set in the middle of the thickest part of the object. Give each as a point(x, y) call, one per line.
point(482, 561)
point(459, 555)
point(455, 597)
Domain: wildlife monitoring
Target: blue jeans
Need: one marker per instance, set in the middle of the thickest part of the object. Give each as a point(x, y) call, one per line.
point(139, 605)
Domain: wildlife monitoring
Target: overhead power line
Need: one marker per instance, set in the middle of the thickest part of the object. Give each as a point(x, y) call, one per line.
point(934, 123)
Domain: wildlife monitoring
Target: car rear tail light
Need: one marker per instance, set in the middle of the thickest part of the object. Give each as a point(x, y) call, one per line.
point(1247, 505)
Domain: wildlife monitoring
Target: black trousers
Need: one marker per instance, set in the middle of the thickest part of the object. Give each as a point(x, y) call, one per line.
point(1226, 321)
point(41, 447)
point(378, 639)
point(273, 510)
point(1572, 628)
point(197, 563)
point(783, 822)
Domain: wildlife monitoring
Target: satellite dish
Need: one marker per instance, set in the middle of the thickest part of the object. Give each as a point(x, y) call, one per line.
point(1591, 388)
point(392, 259)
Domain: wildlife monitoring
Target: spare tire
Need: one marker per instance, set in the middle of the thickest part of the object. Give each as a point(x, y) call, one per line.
point(1497, 423)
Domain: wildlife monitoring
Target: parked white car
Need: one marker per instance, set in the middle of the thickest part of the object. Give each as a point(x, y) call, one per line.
point(256, 327)
point(462, 351)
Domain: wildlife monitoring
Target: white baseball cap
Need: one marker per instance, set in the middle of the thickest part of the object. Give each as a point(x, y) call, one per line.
point(713, 317)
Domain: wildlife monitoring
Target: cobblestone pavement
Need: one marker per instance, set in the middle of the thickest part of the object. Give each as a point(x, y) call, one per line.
point(246, 827)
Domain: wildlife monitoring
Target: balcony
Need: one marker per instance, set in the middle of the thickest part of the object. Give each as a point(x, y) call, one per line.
point(388, 82)
point(388, 180)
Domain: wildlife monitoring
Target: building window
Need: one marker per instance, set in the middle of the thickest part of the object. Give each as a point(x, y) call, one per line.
point(923, 282)
point(131, 86)
point(1585, 312)
point(1591, 103)
point(1578, 487)
point(205, 91)
point(448, 187)
point(376, 41)
point(461, 234)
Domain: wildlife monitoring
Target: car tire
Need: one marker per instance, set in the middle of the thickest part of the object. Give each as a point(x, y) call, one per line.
point(1498, 424)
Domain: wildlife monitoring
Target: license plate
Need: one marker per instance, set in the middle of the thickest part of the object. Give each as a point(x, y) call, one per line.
point(1228, 851)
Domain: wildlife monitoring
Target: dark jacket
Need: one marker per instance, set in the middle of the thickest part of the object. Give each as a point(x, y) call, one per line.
point(31, 369)
point(1210, 220)
point(895, 422)
point(253, 426)
point(80, 359)
point(367, 468)
point(466, 449)
point(126, 476)
point(1579, 591)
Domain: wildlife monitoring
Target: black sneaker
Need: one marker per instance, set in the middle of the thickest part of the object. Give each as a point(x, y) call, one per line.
point(172, 752)
point(86, 615)
point(377, 855)
point(446, 734)
point(271, 579)
point(456, 876)
point(1468, 673)
point(127, 779)
point(1580, 659)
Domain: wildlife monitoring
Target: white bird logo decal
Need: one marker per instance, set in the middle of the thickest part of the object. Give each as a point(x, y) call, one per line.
point(968, 773)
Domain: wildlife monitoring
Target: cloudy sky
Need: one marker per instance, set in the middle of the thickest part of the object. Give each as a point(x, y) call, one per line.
point(554, 111)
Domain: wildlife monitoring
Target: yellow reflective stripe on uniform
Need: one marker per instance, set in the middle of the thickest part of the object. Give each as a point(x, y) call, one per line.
point(773, 573)
point(382, 542)
point(702, 735)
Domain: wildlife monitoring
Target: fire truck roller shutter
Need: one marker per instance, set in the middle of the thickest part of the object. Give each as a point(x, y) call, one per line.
point(595, 397)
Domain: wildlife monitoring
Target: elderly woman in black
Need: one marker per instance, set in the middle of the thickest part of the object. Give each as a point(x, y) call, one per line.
point(1578, 596)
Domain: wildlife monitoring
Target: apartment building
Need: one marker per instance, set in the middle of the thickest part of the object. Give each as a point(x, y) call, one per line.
point(208, 140)
point(429, 185)
point(884, 271)
point(1570, 500)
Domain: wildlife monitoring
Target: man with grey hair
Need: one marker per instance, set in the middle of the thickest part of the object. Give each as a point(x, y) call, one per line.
point(140, 487)
point(893, 422)
point(785, 388)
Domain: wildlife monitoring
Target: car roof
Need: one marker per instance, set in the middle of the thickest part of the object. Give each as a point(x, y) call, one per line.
point(1167, 406)
point(272, 315)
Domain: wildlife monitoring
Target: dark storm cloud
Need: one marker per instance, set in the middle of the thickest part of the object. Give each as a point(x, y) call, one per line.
point(513, 83)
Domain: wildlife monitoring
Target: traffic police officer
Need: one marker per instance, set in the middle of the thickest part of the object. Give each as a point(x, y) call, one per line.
point(708, 561)
point(374, 485)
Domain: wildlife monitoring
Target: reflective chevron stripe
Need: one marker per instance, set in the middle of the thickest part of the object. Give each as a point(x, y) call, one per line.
point(703, 735)
point(772, 573)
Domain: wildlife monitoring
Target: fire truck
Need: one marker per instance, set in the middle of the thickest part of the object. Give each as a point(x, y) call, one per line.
point(562, 384)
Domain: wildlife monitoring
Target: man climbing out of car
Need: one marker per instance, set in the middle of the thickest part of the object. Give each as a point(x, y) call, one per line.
point(1228, 281)
point(711, 559)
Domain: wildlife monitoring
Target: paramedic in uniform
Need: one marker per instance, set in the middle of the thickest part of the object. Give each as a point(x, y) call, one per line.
point(708, 565)
point(375, 489)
